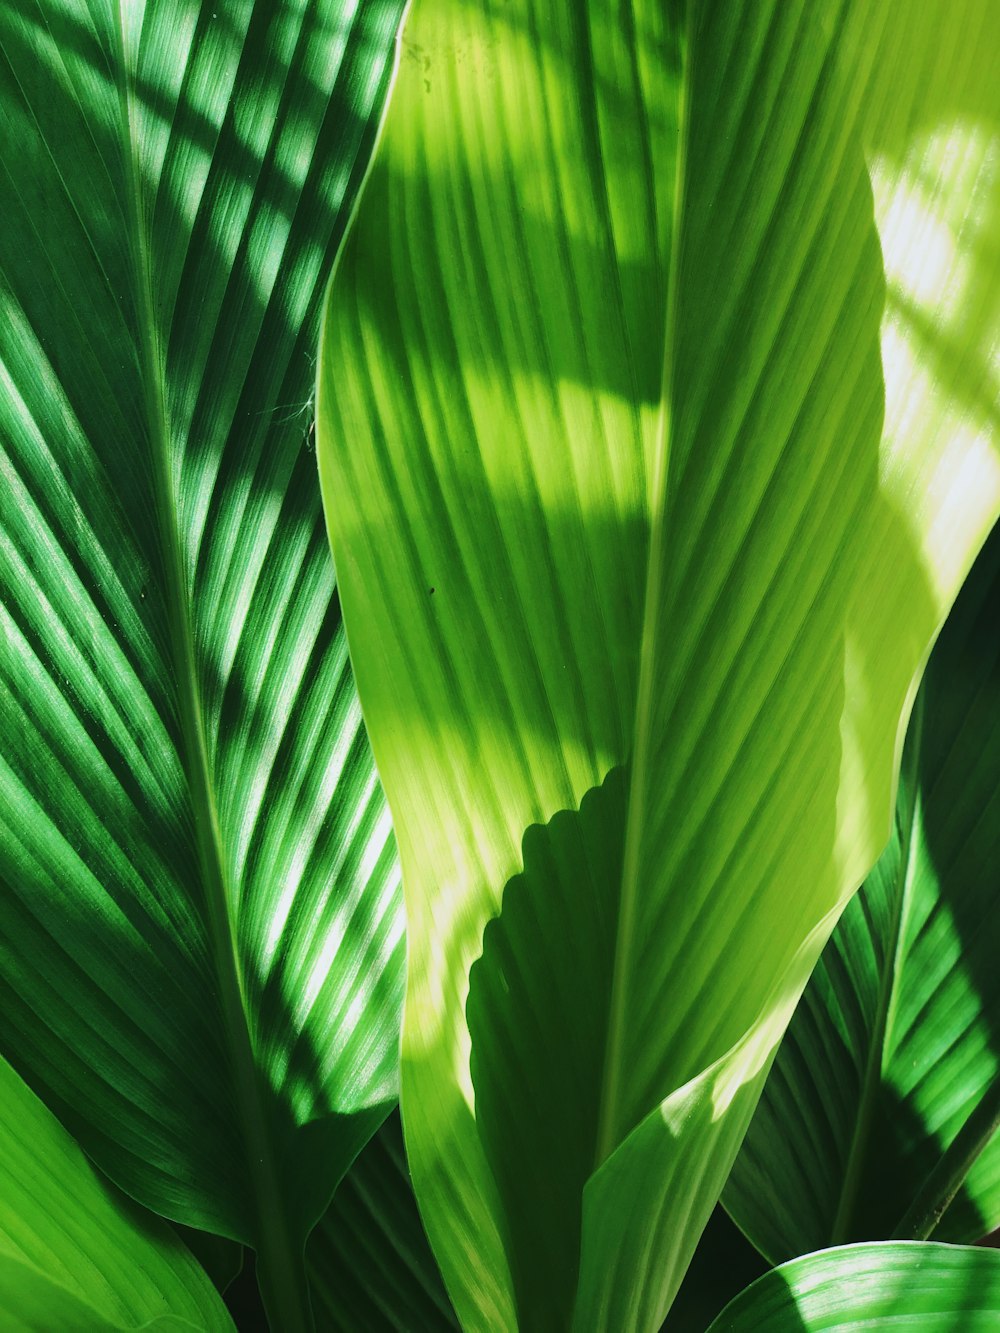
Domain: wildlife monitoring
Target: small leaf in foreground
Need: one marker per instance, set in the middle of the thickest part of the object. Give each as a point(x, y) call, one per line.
point(920, 1287)
point(75, 1253)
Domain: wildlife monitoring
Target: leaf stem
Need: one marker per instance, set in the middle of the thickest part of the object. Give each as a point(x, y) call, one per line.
point(945, 1180)
point(840, 1232)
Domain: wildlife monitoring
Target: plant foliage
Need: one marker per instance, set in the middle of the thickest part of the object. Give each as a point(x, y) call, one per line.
point(657, 431)
point(201, 926)
point(636, 409)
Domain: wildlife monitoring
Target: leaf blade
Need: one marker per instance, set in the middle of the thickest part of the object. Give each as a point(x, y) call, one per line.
point(202, 925)
point(369, 1261)
point(930, 1287)
point(73, 1248)
point(497, 335)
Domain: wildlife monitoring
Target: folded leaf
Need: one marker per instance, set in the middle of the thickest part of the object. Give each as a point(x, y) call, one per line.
point(646, 503)
point(75, 1254)
point(897, 1037)
point(200, 917)
point(919, 1287)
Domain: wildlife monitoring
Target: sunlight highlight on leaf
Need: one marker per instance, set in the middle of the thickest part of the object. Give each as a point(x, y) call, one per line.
point(603, 442)
point(937, 206)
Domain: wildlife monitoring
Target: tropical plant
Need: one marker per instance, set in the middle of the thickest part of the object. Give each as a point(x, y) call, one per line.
point(657, 425)
point(887, 1082)
point(654, 372)
point(201, 927)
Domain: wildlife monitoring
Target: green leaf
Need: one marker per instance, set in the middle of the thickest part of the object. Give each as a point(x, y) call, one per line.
point(369, 1261)
point(646, 503)
point(201, 922)
point(897, 1038)
point(919, 1287)
point(76, 1254)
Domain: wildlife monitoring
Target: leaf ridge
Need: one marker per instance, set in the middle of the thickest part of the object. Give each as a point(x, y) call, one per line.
point(279, 1263)
point(608, 1126)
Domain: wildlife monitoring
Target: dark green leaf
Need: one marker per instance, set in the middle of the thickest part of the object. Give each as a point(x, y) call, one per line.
point(370, 1265)
point(723, 1264)
point(200, 927)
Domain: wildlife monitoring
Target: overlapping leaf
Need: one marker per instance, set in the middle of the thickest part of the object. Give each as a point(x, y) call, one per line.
point(75, 1254)
point(201, 928)
point(369, 1263)
point(647, 496)
point(894, 1044)
point(919, 1287)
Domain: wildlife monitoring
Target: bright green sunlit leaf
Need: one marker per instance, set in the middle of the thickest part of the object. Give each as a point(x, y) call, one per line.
point(917, 1287)
point(657, 431)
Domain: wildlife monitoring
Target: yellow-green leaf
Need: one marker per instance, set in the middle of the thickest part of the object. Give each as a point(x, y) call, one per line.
point(654, 446)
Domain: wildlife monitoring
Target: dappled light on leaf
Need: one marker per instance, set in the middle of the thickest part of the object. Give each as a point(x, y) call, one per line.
point(201, 923)
point(604, 366)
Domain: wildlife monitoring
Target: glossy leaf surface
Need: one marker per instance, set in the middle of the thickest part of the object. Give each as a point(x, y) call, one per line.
point(76, 1254)
point(919, 1287)
point(897, 1038)
point(647, 496)
point(200, 922)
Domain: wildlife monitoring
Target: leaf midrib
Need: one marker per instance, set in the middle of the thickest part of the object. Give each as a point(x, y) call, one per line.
point(609, 1130)
point(276, 1248)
